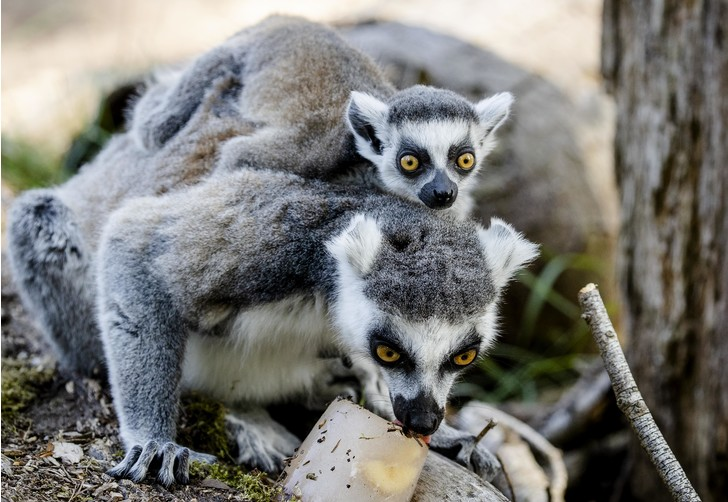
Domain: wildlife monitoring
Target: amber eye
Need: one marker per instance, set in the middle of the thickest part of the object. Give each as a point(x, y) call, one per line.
point(409, 163)
point(387, 354)
point(465, 358)
point(466, 161)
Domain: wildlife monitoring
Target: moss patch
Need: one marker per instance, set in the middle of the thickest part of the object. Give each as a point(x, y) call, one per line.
point(256, 486)
point(21, 385)
point(202, 425)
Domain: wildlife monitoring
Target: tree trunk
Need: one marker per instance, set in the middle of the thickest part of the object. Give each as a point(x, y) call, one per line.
point(666, 63)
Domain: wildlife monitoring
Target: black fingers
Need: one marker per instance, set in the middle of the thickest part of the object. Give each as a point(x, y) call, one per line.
point(139, 471)
point(182, 467)
point(165, 476)
point(121, 471)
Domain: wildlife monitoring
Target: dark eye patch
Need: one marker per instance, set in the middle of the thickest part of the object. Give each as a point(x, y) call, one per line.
point(472, 341)
point(382, 335)
point(410, 147)
point(457, 149)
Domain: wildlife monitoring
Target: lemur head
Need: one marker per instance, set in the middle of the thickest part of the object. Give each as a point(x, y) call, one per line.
point(420, 300)
point(426, 143)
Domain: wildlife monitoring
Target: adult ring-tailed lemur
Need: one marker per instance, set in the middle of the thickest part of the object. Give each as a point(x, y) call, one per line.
point(234, 285)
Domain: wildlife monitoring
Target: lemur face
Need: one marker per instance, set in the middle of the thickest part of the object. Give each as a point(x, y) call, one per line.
point(420, 361)
point(426, 143)
point(421, 303)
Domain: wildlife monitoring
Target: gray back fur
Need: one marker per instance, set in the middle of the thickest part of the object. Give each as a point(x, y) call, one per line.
point(252, 237)
point(297, 83)
point(290, 77)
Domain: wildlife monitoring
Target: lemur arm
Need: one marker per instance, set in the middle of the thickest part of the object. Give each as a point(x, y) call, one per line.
point(165, 109)
point(144, 339)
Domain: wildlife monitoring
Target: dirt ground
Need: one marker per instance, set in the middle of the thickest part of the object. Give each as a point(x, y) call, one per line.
point(37, 462)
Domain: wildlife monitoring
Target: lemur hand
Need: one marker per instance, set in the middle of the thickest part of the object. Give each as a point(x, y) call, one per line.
point(167, 463)
point(461, 447)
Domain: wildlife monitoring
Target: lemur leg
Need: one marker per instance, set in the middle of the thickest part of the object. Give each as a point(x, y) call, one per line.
point(163, 111)
point(261, 442)
point(265, 147)
point(290, 149)
point(144, 338)
point(460, 446)
point(52, 268)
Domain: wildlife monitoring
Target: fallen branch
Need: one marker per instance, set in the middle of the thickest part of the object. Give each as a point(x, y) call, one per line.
point(475, 413)
point(630, 400)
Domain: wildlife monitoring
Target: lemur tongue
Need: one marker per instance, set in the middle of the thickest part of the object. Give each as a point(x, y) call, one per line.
point(425, 439)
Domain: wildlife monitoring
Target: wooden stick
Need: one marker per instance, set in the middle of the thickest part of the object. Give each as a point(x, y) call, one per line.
point(629, 399)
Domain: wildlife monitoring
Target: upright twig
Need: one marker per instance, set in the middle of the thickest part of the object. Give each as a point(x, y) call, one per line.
point(629, 399)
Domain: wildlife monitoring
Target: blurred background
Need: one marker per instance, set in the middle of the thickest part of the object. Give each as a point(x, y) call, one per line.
point(553, 175)
point(59, 59)
point(62, 60)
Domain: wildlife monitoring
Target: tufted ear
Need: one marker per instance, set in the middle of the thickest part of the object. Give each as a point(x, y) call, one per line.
point(367, 119)
point(494, 111)
point(358, 245)
point(506, 251)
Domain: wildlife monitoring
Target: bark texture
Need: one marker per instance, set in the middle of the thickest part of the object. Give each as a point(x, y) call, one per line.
point(666, 63)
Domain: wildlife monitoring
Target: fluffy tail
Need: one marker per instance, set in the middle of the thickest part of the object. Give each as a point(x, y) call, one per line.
point(52, 269)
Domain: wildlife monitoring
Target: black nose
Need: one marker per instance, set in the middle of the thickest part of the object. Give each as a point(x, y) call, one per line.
point(421, 415)
point(444, 197)
point(440, 193)
point(424, 423)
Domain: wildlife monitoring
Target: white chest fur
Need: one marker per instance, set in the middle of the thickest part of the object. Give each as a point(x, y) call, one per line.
point(270, 352)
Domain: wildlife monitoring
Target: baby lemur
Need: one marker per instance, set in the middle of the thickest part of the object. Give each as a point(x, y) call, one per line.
point(207, 264)
point(321, 107)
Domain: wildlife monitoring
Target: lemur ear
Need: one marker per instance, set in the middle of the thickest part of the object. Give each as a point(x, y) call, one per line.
point(494, 111)
point(366, 116)
point(506, 250)
point(358, 245)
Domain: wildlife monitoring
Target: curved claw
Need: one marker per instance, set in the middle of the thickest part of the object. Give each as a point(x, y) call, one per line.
point(465, 449)
point(167, 463)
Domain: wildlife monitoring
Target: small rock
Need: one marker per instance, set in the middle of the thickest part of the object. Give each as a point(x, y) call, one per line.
point(69, 453)
point(7, 466)
point(99, 450)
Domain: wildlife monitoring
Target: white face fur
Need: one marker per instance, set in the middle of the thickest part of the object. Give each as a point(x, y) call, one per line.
point(419, 359)
point(431, 159)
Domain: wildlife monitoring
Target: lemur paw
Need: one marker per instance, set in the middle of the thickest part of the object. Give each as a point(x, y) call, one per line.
point(335, 380)
point(262, 443)
point(462, 448)
point(374, 389)
point(167, 463)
